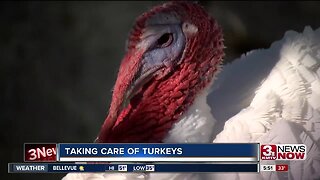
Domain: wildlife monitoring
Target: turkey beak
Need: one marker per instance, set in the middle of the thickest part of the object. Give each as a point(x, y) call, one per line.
point(135, 72)
point(132, 76)
point(142, 77)
point(147, 71)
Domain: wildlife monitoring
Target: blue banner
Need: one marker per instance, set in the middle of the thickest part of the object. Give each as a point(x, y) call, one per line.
point(68, 167)
point(122, 152)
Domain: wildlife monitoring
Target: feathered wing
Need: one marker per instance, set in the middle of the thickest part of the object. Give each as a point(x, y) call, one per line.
point(285, 108)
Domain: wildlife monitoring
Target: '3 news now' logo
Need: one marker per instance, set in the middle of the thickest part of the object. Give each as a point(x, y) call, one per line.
point(283, 152)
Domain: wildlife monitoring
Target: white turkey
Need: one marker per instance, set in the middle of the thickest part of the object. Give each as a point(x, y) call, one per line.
point(174, 53)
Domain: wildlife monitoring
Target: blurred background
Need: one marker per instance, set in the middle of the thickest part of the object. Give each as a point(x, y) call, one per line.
point(59, 61)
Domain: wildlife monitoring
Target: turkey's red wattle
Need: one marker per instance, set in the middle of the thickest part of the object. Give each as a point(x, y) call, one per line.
point(159, 103)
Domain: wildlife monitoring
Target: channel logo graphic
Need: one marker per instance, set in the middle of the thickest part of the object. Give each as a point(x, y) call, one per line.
point(40, 152)
point(283, 151)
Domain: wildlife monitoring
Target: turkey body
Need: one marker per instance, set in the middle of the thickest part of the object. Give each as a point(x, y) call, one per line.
point(174, 53)
point(280, 106)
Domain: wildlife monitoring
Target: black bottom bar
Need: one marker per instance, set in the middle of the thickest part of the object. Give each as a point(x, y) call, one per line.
point(69, 167)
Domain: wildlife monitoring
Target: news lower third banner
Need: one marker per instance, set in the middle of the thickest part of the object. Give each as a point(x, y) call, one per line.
point(69, 167)
point(240, 152)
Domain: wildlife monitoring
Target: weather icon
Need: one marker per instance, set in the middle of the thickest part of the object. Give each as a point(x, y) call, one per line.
point(81, 168)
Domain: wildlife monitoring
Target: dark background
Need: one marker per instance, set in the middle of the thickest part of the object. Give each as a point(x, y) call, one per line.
point(59, 60)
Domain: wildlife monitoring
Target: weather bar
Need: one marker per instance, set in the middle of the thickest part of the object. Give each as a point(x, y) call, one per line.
point(71, 167)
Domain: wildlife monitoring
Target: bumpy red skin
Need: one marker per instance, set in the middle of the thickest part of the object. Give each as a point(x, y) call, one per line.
point(160, 103)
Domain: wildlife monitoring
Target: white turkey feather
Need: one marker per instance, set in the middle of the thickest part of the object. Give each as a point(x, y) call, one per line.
point(285, 108)
point(278, 104)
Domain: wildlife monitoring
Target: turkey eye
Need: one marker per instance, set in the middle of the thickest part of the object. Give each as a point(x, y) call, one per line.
point(165, 40)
